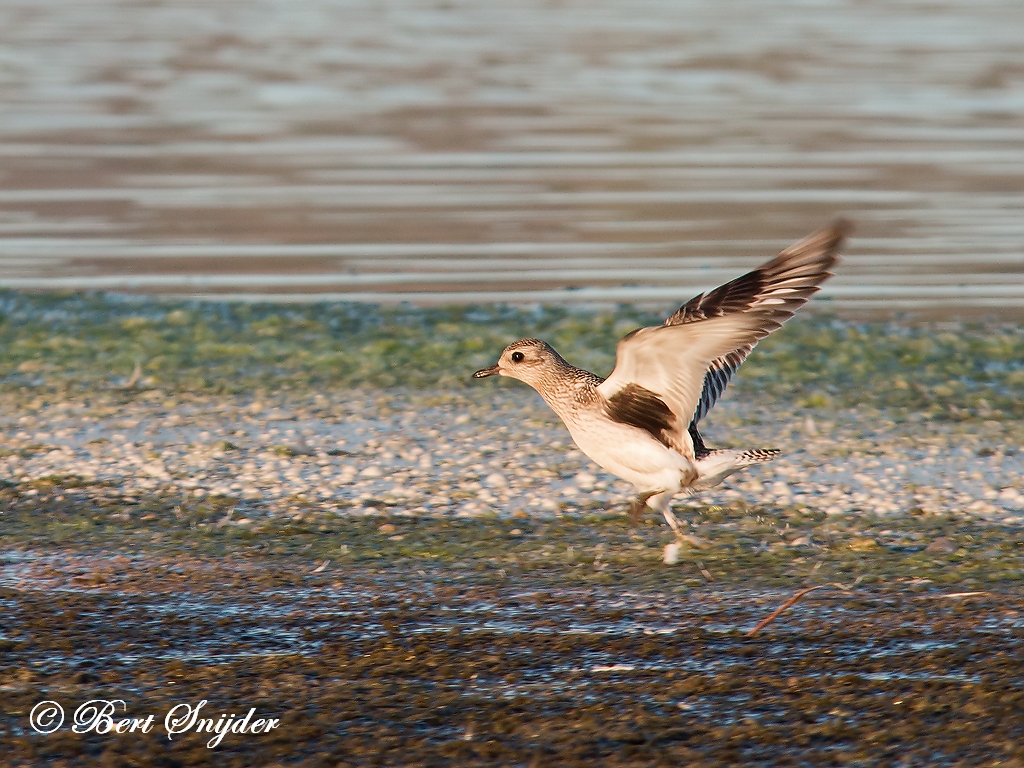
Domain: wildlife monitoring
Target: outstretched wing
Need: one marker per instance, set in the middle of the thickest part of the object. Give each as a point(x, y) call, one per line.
point(686, 363)
point(825, 242)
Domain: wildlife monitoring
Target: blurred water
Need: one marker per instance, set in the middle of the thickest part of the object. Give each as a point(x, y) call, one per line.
point(554, 151)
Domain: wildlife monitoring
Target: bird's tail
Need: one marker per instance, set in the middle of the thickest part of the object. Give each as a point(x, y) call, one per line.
point(751, 457)
point(718, 465)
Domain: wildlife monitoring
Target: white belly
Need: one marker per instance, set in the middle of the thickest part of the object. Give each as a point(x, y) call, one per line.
point(631, 454)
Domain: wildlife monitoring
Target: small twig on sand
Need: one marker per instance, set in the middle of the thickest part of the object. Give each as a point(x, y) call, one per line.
point(788, 604)
point(950, 595)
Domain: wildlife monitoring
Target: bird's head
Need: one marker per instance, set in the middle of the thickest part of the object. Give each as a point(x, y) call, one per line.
point(528, 360)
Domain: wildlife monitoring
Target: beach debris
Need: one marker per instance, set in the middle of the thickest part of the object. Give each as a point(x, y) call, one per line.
point(784, 607)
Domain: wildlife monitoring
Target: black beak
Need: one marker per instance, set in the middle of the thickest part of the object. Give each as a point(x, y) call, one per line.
point(483, 373)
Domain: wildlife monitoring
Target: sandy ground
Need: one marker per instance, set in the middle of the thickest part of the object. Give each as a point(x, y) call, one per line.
point(503, 454)
point(417, 578)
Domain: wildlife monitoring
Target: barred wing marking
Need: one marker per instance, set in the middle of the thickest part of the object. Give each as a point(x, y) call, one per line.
point(687, 362)
point(825, 242)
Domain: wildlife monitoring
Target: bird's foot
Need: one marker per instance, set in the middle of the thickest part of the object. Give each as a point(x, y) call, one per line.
point(671, 554)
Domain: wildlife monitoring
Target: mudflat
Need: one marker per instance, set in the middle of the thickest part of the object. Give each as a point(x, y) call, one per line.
point(311, 512)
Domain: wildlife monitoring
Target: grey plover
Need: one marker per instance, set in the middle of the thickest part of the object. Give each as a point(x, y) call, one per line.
point(641, 422)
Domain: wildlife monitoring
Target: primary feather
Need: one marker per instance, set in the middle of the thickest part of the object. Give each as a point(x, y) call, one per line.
point(689, 360)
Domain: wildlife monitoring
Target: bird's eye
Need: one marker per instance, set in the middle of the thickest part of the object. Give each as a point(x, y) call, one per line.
point(518, 357)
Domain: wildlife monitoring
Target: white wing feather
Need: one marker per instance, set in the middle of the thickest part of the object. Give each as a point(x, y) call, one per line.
point(671, 360)
point(714, 332)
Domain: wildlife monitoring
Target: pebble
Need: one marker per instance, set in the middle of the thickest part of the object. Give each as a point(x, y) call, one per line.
point(941, 546)
point(496, 480)
point(483, 453)
point(863, 544)
point(585, 481)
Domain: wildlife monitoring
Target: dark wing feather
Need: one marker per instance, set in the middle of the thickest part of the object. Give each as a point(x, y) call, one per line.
point(639, 407)
point(687, 362)
point(700, 451)
point(717, 379)
point(789, 283)
point(737, 295)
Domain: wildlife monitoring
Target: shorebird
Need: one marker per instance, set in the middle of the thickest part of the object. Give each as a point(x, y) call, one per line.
point(640, 423)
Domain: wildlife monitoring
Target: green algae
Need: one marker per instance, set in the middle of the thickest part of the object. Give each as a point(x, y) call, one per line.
point(764, 546)
point(50, 344)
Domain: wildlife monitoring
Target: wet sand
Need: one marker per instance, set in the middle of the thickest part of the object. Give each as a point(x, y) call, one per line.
point(557, 643)
point(461, 152)
point(423, 578)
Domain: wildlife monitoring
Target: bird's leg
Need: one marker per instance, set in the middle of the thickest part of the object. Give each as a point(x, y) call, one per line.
point(663, 503)
point(673, 522)
point(637, 507)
